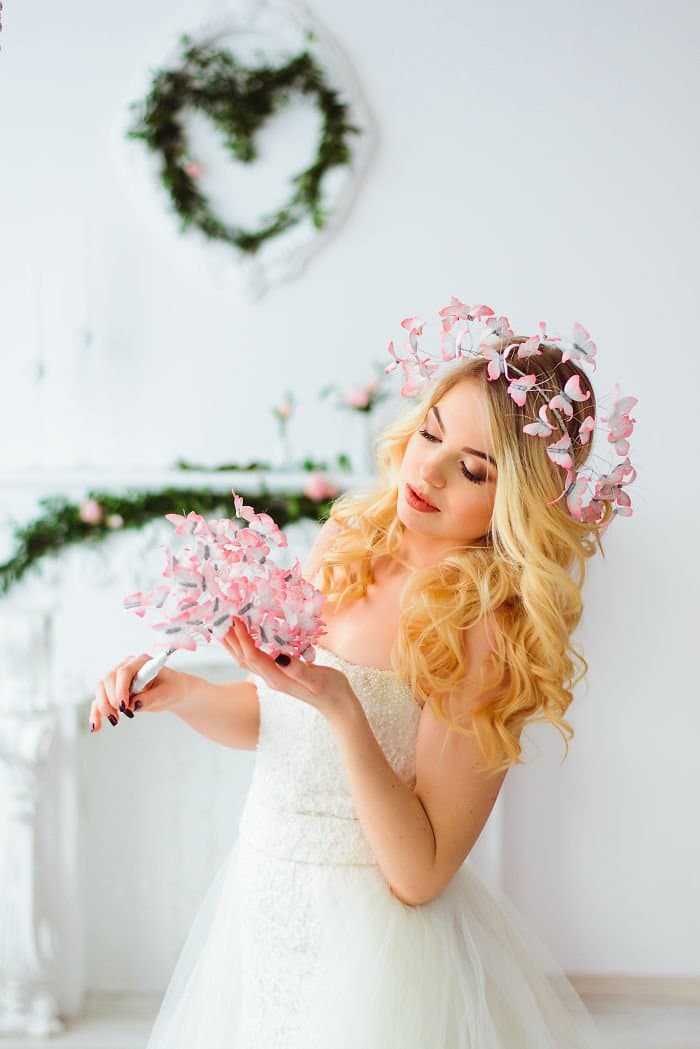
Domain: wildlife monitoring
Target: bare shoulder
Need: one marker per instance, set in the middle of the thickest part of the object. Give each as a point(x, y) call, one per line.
point(324, 540)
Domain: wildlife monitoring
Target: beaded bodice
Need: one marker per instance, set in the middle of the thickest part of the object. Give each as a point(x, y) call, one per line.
point(299, 804)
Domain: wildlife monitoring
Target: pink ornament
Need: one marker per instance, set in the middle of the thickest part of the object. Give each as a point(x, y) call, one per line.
point(193, 169)
point(91, 512)
point(358, 398)
point(115, 521)
point(319, 487)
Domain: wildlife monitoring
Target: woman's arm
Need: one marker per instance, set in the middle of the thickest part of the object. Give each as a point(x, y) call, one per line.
point(228, 713)
point(420, 835)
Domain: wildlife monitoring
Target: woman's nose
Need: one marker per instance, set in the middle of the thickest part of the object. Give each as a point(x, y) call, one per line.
point(431, 473)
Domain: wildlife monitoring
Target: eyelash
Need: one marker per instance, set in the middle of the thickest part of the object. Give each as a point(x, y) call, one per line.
point(467, 473)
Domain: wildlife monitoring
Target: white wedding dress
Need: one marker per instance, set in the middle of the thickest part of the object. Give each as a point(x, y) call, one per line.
point(300, 944)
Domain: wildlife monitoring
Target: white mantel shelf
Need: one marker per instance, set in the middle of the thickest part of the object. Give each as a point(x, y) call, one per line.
point(37, 482)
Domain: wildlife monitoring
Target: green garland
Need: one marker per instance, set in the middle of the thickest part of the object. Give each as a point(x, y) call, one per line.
point(238, 100)
point(61, 524)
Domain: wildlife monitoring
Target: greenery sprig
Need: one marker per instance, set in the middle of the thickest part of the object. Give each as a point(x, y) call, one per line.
point(238, 100)
point(342, 462)
point(64, 523)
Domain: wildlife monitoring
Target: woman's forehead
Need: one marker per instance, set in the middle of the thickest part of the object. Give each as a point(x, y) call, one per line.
point(464, 414)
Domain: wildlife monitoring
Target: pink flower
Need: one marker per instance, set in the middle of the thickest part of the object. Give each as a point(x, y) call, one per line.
point(115, 521)
point(193, 169)
point(283, 411)
point(91, 512)
point(319, 487)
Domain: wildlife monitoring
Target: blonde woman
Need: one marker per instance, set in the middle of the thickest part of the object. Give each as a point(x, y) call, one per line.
point(347, 913)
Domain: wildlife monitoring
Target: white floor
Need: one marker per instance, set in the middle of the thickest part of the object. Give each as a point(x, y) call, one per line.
point(124, 1022)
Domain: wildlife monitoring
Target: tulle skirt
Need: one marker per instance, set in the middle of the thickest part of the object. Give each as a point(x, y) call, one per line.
point(295, 955)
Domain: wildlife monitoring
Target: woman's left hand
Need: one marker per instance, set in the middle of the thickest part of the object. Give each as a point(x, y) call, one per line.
point(322, 687)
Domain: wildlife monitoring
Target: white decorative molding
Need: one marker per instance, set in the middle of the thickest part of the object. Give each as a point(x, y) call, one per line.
point(27, 729)
point(51, 655)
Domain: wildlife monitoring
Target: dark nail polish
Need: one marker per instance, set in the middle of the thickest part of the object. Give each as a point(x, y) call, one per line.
point(92, 726)
point(111, 718)
point(122, 707)
point(138, 704)
point(283, 659)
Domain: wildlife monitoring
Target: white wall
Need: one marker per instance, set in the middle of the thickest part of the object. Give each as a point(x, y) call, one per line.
point(541, 158)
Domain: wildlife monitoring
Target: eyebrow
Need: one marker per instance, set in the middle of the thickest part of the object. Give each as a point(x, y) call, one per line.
point(473, 451)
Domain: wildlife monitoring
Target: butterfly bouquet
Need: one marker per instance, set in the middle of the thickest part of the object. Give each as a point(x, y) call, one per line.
point(229, 573)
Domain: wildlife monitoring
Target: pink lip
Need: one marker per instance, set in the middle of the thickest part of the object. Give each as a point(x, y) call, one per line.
point(419, 496)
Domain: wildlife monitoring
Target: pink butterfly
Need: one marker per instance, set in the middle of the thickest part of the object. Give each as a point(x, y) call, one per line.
point(530, 347)
point(519, 388)
point(576, 488)
point(464, 344)
point(582, 346)
point(543, 336)
point(586, 429)
point(190, 525)
point(572, 391)
point(457, 310)
point(497, 327)
point(609, 487)
point(620, 423)
point(450, 343)
point(560, 452)
point(413, 324)
point(415, 374)
point(543, 428)
point(396, 360)
point(497, 361)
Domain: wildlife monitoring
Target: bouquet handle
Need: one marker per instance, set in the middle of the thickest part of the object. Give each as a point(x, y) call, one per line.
point(148, 671)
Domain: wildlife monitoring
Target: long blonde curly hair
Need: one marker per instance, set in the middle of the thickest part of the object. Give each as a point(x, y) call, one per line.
point(525, 574)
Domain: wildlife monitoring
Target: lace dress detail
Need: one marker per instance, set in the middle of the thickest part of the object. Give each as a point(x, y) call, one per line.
point(300, 943)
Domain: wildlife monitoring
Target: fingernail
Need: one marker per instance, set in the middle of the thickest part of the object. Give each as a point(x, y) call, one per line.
point(125, 710)
point(138, 704)
point(112, 719)
point(283, 659)
point(92, 726)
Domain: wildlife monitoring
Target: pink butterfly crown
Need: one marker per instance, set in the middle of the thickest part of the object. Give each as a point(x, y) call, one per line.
point(476, 332)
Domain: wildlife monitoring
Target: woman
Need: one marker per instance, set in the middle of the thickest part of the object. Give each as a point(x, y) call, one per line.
point(345, 914)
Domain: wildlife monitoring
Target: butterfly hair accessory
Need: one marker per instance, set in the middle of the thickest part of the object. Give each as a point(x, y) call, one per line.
point(475, 331)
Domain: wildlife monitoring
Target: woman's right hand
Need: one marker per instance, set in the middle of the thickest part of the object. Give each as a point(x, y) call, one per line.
point(112, 692)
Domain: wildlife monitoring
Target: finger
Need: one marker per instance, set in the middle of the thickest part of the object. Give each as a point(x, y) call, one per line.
point(272, 673)
point(104, 704)
point(123, 679)
point(95, 717)
point(130, 671)
point(232, 646)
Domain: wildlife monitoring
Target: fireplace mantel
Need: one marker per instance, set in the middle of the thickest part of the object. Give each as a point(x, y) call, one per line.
point(61, 627)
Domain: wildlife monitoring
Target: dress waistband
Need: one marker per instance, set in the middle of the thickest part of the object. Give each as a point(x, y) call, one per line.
point(307, 837)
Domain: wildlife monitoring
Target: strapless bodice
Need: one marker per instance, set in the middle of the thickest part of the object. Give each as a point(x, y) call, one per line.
point(299, 804)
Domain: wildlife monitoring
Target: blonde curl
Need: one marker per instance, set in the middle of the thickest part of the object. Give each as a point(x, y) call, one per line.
point(524, 576)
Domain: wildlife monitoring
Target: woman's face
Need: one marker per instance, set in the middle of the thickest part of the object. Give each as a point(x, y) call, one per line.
point(450, 463)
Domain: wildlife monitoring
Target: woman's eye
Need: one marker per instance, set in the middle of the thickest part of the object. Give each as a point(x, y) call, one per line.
point(467, 473)
point(471, 476)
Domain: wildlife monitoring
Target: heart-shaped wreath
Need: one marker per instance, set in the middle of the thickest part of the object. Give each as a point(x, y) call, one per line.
point(238, 100)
